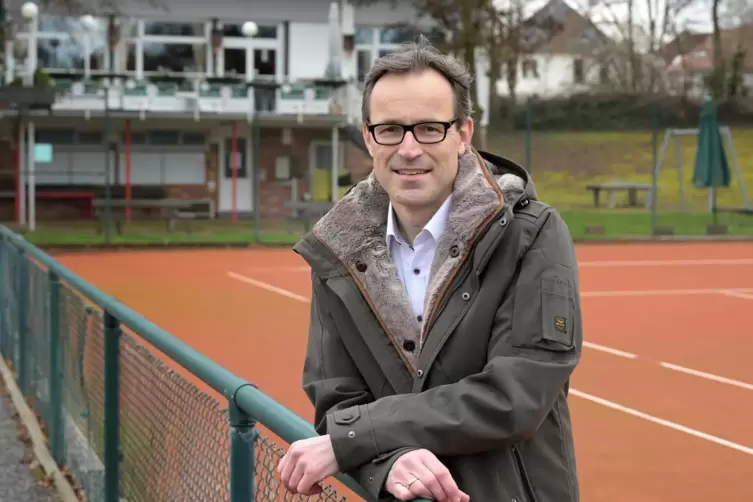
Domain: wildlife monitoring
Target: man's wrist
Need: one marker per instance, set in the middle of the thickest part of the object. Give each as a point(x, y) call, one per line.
point(352, 437)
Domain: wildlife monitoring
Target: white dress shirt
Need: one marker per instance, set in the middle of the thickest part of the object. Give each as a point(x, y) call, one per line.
point(414, 263)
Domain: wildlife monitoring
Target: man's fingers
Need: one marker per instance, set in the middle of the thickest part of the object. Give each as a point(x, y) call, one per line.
point(401, 492)
point(305, 484)
point(444, 478)
point(296, 478)
point(419, 489)
point(427, 485)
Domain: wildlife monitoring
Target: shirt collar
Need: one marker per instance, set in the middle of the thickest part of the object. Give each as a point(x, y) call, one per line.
point(435, 227)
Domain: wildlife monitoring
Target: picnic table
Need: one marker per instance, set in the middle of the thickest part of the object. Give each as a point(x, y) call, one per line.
point(308, 210)
point(612, 187)
point(169, 210)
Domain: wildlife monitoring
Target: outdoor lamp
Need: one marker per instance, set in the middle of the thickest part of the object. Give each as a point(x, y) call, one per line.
point(29, 10)
point(249, 29)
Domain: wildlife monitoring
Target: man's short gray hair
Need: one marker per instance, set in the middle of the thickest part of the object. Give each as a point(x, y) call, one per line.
point(415, 57)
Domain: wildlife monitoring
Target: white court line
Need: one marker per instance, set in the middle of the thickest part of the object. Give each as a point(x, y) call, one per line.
point(708, 376)
point(662, 422)
point(669, 292)
point(598, 400)
point(610, 350)
point(268, 287)
point(738, 293)
point(665, 263)
point(671, 366)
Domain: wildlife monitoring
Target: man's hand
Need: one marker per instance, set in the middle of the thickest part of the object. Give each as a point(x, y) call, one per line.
point(419, 473)
point(307, 463)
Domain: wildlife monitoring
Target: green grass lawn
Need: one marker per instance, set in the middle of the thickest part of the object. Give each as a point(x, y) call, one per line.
point(563, 163)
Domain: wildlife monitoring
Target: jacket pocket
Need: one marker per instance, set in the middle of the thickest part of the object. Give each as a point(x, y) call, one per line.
point(557, 314)
point(525, 480)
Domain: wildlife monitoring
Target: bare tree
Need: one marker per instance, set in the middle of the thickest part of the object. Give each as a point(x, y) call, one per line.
point(637, 60)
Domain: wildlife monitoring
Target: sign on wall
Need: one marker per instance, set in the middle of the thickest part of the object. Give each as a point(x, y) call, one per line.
point(43, 153)
point(238, 160)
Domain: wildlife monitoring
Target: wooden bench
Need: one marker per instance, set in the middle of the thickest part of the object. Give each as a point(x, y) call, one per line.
point(308, 210)
point(88, 197)
point(611, 188)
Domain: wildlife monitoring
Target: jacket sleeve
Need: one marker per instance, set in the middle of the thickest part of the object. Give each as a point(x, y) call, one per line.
point(332, 382)
point(534, 346)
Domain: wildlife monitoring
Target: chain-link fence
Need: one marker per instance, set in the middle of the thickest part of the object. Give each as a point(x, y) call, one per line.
point(127, 424)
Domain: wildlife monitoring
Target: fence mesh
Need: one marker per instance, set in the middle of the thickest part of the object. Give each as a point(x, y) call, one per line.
point(174, 437)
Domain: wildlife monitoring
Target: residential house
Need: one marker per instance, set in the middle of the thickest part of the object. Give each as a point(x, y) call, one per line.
point(690, 59)
point(191, 101)
point(565, 54)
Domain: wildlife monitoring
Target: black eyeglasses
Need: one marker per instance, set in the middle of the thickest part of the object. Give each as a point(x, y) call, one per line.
point(427, 133)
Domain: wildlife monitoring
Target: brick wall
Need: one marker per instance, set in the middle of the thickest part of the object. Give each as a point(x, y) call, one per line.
point(274, 194)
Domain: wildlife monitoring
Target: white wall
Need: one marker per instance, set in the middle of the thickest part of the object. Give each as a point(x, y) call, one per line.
point(309, 49)
point(555, 77)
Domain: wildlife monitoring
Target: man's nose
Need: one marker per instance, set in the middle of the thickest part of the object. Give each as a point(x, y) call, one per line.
point(410, 148)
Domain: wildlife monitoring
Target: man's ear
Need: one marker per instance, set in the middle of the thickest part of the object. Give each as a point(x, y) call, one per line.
point(367, 138)
point(465, 131)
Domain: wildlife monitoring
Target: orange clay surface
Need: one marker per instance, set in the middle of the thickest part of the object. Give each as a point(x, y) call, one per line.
point(662, 401)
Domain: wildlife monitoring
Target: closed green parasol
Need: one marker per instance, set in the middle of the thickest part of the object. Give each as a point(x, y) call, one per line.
point(711, 167)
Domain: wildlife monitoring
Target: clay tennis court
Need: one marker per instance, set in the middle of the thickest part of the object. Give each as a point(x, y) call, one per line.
point(662, 401)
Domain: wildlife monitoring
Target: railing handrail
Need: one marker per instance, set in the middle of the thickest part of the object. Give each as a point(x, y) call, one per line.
point(267, 411)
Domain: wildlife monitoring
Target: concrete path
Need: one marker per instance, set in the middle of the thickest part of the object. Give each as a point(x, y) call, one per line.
point(17, 483)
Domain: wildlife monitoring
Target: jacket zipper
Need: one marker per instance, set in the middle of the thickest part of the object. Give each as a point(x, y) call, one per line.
point(527, 486)
point(460, 280)
point(467, 265)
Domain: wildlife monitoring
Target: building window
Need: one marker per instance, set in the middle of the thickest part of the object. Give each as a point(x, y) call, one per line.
point(174, 57)
point(578, 76)
point(530, 68)
point(372, 43)
point(604, 74)
point(146, 47)
point(173, 29)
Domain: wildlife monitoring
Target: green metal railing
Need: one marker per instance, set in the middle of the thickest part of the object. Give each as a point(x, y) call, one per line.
point(131, 425)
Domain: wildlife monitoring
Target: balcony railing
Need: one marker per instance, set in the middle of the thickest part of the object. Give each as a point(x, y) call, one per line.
point(203, 96)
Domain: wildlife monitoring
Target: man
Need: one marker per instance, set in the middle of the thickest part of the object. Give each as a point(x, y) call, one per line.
point(445, 315)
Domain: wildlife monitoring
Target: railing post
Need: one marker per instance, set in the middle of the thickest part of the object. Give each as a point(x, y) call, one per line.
point(55, 379)
point(242, 453)
point(23, 308)
point(3, 348)
point(112, 408)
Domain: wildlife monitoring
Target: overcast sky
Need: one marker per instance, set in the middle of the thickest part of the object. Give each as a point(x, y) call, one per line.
point(697, 17)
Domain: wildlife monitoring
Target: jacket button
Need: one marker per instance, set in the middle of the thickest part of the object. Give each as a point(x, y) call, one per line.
point(420, 373)
point(503, 221)
point(524, 202)
point(454, 251)
point(361, 266)
point(409, 345)
point(466, 296)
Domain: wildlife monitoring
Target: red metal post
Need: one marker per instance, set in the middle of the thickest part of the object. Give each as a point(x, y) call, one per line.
point(234, 168)
point(128, 169)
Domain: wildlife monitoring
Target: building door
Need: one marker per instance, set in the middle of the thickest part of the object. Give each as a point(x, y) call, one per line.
point(250, 58)
point(243, 183)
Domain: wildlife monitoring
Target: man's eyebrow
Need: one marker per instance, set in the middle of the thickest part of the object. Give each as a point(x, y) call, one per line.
point(403, 122)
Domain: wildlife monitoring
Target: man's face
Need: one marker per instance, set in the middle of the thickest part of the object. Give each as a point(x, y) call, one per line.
point(416, 175)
